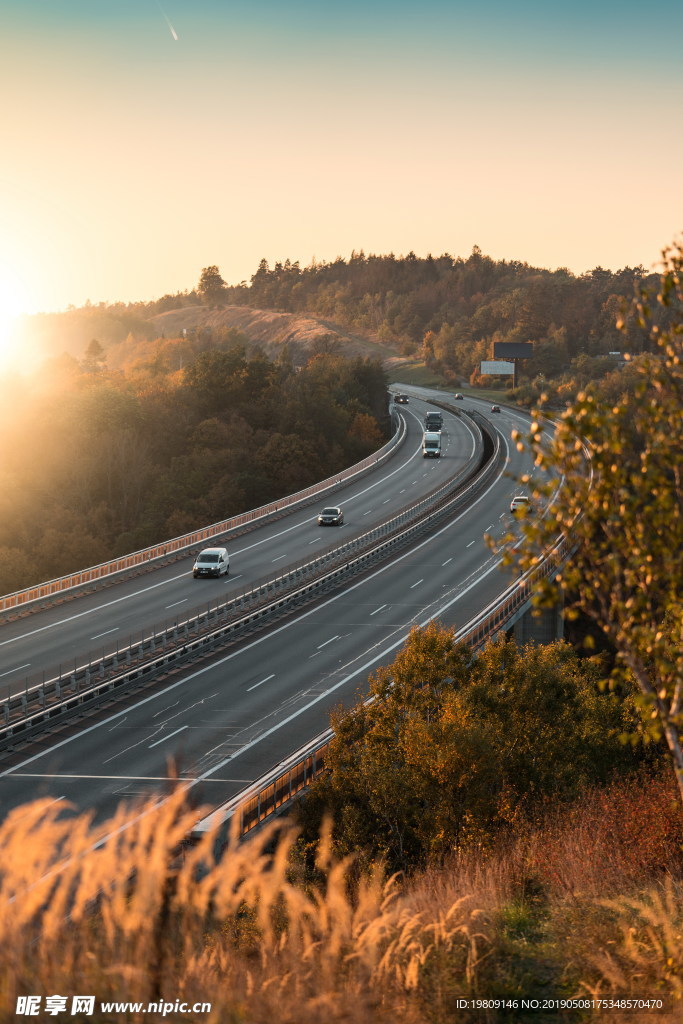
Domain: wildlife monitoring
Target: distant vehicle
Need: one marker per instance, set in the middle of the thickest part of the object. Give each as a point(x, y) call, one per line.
point(458, 397)
point(401, 399)
point(211, 562)
point(431, 445)
point(495, 408)
point(331, 517)
point(433, 421)
point(521, 503)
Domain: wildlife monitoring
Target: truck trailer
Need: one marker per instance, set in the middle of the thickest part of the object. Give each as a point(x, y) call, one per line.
point(433, 421)
point(431, 444)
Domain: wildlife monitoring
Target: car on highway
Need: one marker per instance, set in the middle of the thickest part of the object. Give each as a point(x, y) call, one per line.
point(401, 399)
point(458, 397)
point(211, 562)
point(495, 408)
point(521, 503)
point(332, 516)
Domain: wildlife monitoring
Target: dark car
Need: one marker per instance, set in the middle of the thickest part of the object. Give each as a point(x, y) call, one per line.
point(331, 517)
point(495, 408)
point(401, 399)
point(458, 397)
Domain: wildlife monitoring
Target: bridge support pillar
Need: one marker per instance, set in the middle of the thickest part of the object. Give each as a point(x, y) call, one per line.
point(540, 626)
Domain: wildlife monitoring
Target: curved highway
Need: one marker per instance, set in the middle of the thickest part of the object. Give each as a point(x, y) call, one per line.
point(224, 723)
point(39, 646)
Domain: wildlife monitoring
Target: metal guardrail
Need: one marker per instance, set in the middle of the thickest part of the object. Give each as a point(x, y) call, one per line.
point(181, 546)
point(24, 713)
point(271, 792)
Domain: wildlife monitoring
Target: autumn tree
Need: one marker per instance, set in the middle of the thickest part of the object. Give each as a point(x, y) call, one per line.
point(624, 518)
point(450, 749)
point(94, 358)
point(211, 286)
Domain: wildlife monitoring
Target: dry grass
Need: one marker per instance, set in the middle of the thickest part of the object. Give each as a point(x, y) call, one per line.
point(126, 918)
point(131, 920)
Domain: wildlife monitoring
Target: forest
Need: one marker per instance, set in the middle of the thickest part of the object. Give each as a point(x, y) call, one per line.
point(99, 463)
point(448, 310)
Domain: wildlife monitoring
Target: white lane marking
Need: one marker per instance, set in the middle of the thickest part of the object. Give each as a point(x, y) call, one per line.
point(438, 613)
point(490, 527)
point(278, 558)
point(470, 544)
point(123, 778)
point(314, 541)
point(20, 816)
point(378, 609)
point(447, 560)
point(402, 491)
point(417, 584)
point(387, 501)
point(79, 615)
point(106, 633)
point(176, 603)
point(368, 512)
point(170, 735)
point(271, 676)
point(164, 710)
point(18, 669)
point(320, 646)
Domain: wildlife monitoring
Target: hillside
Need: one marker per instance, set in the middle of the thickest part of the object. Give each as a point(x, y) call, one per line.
point(126, 333)
point(271, 330)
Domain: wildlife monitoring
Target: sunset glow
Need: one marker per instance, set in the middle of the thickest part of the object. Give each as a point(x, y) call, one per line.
point(151, 140)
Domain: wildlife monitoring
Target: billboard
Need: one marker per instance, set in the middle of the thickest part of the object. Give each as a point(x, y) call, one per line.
point(512, 350)
point(497, 366)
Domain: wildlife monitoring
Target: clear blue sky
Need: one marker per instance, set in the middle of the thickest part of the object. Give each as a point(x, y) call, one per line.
point(539, 131)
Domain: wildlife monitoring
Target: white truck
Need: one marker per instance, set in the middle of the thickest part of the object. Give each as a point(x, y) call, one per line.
point(431, 444)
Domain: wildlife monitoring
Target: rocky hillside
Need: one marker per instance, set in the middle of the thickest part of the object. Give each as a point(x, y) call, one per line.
point(271, 330)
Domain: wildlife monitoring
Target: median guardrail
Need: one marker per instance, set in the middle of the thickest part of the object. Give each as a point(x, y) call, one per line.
point(41, 705)
point(178, 547)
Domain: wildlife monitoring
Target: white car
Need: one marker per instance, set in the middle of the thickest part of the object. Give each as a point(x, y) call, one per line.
point(521, 503)
point(211, 562)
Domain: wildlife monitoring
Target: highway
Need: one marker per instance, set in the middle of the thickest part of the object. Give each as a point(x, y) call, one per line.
point(35, 647)
point(223, 723)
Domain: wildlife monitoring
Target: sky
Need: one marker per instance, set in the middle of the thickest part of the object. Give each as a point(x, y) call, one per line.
point(143, 141)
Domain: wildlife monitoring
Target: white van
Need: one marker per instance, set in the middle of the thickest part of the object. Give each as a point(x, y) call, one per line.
point(431, 444)
point(211, 562)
